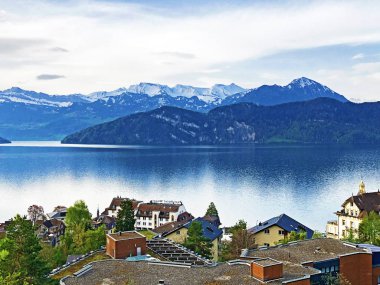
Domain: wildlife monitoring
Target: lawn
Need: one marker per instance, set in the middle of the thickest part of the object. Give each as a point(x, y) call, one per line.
point(74, 268)
point(148, 234)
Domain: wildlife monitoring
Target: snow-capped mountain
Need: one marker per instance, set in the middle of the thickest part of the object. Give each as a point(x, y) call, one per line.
point(301, 89)
point(214, 94)
point(29, 115)
point(18, 95)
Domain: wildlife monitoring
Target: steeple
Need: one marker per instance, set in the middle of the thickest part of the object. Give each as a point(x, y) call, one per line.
point(361, 188)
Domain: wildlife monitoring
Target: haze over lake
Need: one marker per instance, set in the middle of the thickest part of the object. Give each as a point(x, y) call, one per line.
point(254, 183)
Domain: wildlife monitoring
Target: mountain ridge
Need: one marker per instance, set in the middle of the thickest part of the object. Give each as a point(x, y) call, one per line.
point(320, 121)
point(30, 115)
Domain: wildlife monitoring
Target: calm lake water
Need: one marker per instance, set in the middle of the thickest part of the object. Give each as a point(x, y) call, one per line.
point(308, 183)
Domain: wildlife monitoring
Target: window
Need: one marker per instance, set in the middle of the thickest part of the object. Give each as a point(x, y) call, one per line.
point(332, 269)
point(343, 222)
point(266, 244)
point(352, 212)
point(343, 233)
point(280, 232)
point(266, 231)
point(352, 224)
point(178, 232)
point(356, 213)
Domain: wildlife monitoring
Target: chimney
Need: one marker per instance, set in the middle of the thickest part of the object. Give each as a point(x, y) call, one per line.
point(119, 233)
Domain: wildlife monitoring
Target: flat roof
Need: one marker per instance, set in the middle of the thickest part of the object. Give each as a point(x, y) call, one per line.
point(307, 250)
point(125, 235)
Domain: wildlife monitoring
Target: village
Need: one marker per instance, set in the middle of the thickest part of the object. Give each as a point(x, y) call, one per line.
point(161, 242)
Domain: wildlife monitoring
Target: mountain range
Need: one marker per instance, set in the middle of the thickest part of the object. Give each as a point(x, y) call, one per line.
point(320, 121)
point(2, 141)
point(30, 115)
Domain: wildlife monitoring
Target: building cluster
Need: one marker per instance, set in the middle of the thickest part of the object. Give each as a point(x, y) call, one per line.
point(353, 210)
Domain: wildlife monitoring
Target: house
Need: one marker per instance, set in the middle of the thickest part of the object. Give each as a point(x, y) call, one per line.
point(299, 263)
point(213, 220)
point(125, 244)
point(115, 206)
point(353, 210)
point(311, 261)
point(51, 230)
point(108, 221)
point(59, 213)
point(270, 232)
point(156, 213)
point(211, 232)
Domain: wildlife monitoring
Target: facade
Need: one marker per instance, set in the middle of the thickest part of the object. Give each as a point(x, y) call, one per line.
point(272, 231)
point(51, 230)
point(152, 214)
point(354, 209)
point(125, 244)
point(157, 213)
point(115, 206)
point(59, 213)
point(311, 261)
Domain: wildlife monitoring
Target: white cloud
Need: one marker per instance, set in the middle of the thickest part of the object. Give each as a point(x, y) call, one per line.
point(358, 56)
point(113, 44)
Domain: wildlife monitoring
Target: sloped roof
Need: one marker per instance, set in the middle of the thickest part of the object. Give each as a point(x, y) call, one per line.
point(366, 202)
point(285, 222)
point(168, 228)
point(209, 230)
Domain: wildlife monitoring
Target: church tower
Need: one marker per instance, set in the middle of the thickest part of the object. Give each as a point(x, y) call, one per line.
point(361, 188)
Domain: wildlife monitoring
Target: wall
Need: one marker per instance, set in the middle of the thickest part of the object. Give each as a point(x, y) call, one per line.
point(215, 249)
point(348, 219)
point(178, 238)
point(305, 281)
point(266, 273)
point(356, 268)
point(124, 248)
point(261, 238)
point(375, 275)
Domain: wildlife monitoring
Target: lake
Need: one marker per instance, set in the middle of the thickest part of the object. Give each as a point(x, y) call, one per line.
point(253, 183)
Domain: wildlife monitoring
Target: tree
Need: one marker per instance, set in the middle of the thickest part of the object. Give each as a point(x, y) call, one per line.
point(369, 229)
point(78, 215)
point(21, 254)
point(211, 210)
point(125, 220)
point(35, 212)
point(241, 238)
point(94, 239)
point(317, 234)
point(294, 236)
point(196, 241)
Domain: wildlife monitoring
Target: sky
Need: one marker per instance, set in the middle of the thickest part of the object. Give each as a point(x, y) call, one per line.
point(82, 46)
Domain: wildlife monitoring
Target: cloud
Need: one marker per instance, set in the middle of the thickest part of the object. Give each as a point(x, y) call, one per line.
point(15, 45)
point(58, 49)
point(358, 56)
point(182, 55)
point(49, 76)
point(116, 43)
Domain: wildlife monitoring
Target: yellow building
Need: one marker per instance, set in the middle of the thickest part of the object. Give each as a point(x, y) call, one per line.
point(354, 209)
point(177, 232)
point(276, 229)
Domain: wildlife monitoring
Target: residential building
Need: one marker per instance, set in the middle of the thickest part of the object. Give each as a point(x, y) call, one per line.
point(125, 244)
point(270, 232)
point(311, 261)
point(299, 263)
point(59, 213)
point(157, 213)
point(108, 221)
point(177, 232)
point(353, 210)
point(115, 206)
point(51, 230)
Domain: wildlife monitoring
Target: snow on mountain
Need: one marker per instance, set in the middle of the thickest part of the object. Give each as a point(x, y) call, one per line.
point(18, 95)
point(210, 95)
point(104, 95)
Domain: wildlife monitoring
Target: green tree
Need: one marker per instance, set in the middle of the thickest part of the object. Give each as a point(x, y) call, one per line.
point(317, 234)
point(125, 220)
point(294, 236)
point(21, 261)
point(241, 238)
point(211, 210)
point(94, 239)
point(369, 229)
point(196, 241)
point(78, 215)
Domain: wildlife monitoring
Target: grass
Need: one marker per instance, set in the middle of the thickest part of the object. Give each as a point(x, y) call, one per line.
point(74, 268)
point(148, 234)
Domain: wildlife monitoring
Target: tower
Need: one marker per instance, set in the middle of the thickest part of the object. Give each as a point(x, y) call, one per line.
point(361, 188)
